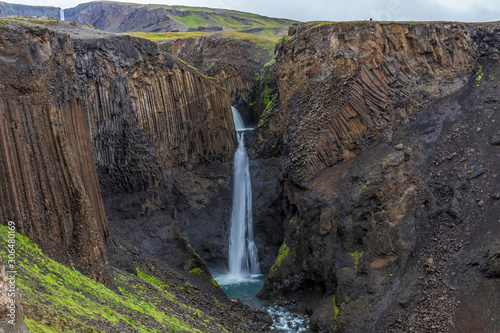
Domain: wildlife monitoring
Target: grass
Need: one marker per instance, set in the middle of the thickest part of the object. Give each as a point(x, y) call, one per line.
point(193, 17)
point(158, 36)
point(283, 253)
point(266, 42)
point(58, 298)
point(30, 20)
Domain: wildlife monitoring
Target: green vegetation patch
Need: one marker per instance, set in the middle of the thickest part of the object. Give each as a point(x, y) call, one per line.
point(282, 254)
point(356, 257)
point(60, 299)
point(479, 75)
point(157, 36)
point(196, 271)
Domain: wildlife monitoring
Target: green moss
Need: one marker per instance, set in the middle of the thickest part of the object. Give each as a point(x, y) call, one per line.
point(294, 223)
point(356, 257)
point(58, 298)
point(282, 254)
point(479, 75)
point(215, 283)
point(196, 271)
point(335, 308)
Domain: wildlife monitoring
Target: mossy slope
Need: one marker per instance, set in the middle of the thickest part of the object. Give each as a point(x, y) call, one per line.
point(59, 299)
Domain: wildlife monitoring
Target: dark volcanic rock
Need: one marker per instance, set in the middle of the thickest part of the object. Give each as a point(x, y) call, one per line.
point(385, 192)
point(268, 212)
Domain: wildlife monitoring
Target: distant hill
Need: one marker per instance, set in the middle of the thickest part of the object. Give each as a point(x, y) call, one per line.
point(8, 9)
point(128, 17)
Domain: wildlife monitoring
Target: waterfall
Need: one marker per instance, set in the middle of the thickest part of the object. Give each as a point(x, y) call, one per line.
point(61, 14)
point(243, 259)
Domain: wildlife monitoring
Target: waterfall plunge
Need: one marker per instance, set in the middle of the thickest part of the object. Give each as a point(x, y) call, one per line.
point(243, 259)
point(61, 14)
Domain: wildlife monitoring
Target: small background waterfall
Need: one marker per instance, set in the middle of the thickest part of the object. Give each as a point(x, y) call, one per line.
point(243, 280)
point(61, 14)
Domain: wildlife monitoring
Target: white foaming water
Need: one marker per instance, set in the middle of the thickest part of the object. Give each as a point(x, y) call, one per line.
point(285, 321)
point(238, 121)
point(243, 259)
point(61, 14)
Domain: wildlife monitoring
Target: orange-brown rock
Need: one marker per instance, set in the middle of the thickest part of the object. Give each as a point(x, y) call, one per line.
point(345, 87)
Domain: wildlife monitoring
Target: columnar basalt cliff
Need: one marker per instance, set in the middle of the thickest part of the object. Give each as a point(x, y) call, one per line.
point(363, 183)
point(234, 62)
point(367, 78)
point(147, 122)
point(49, 183)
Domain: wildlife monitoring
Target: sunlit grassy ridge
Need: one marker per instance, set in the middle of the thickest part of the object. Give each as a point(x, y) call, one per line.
point(60, 299)
point(193, 17)
point(266, 42)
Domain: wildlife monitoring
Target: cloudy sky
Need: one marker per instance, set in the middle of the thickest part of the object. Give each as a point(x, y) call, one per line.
point(337, 10)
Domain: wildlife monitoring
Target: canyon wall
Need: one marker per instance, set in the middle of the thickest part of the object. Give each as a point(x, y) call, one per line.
point(365, 79)
point(49, 184)
point(234, 62)
point(362, 180)
point(85, 113)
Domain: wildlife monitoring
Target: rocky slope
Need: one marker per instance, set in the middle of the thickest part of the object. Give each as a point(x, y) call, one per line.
point(360, 175)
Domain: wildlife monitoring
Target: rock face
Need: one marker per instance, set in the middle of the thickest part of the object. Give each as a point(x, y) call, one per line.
point(75, 100)
point(49, 183)
point(234, 62)
point(115, 17)
point(371, 171)
point(367, 79)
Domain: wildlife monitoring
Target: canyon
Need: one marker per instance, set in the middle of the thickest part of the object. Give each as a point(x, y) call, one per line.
point(373, 165)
